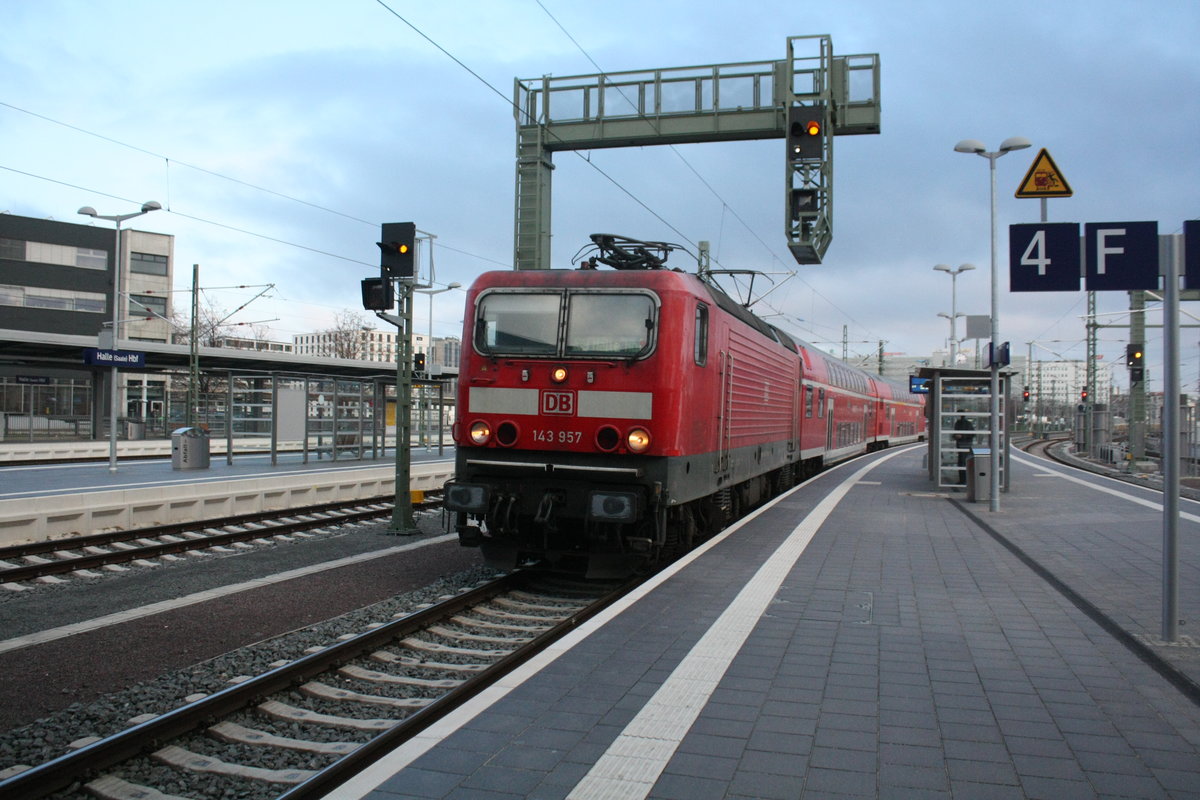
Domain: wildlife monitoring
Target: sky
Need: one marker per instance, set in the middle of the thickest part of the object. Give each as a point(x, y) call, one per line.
point(279, 135)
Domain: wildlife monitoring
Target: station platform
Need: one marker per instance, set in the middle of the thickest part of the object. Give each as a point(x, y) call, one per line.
point(59, 500)
point(863, 636)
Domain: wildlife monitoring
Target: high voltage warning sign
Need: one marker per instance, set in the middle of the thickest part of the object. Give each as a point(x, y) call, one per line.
point(1044, 179)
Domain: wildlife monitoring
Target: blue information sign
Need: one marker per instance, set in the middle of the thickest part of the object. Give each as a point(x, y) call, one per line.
point(113, 358)
point(1121, 255)
point(1191, 254)
point(1044, 257)
point(918, 385)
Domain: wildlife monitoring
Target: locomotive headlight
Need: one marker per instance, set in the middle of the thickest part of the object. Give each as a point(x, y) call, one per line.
point(468, 497)
point(638, 440)
point(558, 374)
point(480, 432)
point(613, 506)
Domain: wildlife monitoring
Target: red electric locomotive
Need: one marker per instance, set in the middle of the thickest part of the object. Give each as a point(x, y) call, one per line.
point(610, 418)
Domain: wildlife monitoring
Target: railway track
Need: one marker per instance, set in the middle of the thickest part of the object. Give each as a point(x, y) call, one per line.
point(82, 554)
point(1042, 447)
point(1047, 448)
point(307, 725)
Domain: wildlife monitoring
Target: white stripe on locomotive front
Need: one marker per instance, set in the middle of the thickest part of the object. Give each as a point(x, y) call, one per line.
point(588, 403)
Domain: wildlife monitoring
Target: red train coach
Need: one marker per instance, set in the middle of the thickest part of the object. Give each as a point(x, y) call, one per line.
point(610, 418)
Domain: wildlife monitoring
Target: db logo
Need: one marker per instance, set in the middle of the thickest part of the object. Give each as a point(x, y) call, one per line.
point(558, 402)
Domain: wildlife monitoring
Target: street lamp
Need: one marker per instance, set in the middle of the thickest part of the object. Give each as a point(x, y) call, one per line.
point(429, 290)
point(88, 211)
point(976, 147)
point(954, 315)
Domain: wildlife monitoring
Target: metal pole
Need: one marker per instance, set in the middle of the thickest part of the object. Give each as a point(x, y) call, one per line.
point(193, 390)
point(1041, 425)
point(953, 319)
point(994, 400)
point(1170, 439)
point(1137, 389)
point(441, 418)
point(1029, 424)
point(229, 417)
point(116, 345)
point(402, 518)
point(1090, 375)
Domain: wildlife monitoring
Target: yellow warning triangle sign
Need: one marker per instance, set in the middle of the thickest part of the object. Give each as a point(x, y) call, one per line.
point(1044, 179)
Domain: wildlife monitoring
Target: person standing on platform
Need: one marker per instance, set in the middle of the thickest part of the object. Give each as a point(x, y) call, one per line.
point(964, 436)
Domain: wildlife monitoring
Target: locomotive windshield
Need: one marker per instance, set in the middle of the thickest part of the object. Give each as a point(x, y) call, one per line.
point(518, 324)
point(596, 324)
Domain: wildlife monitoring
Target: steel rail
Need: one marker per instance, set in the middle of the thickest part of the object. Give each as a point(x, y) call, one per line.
point(65, 565)
point(87, 761)
point(152, 531)
point(371, 751)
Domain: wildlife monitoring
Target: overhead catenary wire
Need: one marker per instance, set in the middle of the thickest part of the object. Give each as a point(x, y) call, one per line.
point(509, 101)
point(725, 206)
point(167, 160)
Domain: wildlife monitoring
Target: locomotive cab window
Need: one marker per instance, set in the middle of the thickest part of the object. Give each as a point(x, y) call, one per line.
point(518, 323)
point(609, 324)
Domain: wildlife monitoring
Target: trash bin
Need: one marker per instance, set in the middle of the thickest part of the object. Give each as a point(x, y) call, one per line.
point(979, 475)
point(189, 448)
point(135, 430)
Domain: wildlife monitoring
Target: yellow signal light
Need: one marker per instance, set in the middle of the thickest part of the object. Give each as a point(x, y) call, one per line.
point(812, 127)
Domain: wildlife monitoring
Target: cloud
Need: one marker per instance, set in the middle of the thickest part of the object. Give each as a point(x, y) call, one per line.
point(346, 108)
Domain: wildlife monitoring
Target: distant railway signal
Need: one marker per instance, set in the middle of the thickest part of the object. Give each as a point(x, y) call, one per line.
point(1135, 359)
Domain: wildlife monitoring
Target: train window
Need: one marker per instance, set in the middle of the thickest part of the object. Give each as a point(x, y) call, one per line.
point(808, 402)
point(518, 323)
point(821, 403)
point(609, 324)
point(700, 351)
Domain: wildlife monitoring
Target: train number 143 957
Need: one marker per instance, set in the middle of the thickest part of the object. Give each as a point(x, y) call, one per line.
point(557, 437)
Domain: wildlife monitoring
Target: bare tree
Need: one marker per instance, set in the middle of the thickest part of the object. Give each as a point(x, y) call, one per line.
point(211, 328)
point(347, 338)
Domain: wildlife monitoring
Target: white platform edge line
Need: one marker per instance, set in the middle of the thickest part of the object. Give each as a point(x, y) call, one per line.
point(1122, 492)
point(379, 772)
point(663, 718)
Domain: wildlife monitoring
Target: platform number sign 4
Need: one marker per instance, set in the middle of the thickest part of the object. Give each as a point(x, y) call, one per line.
point(1044, 257)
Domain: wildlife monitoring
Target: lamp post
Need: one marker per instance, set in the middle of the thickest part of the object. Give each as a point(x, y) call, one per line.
point(88, 211)
point(954, 315)
point(429, 290)
point(976, 147)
